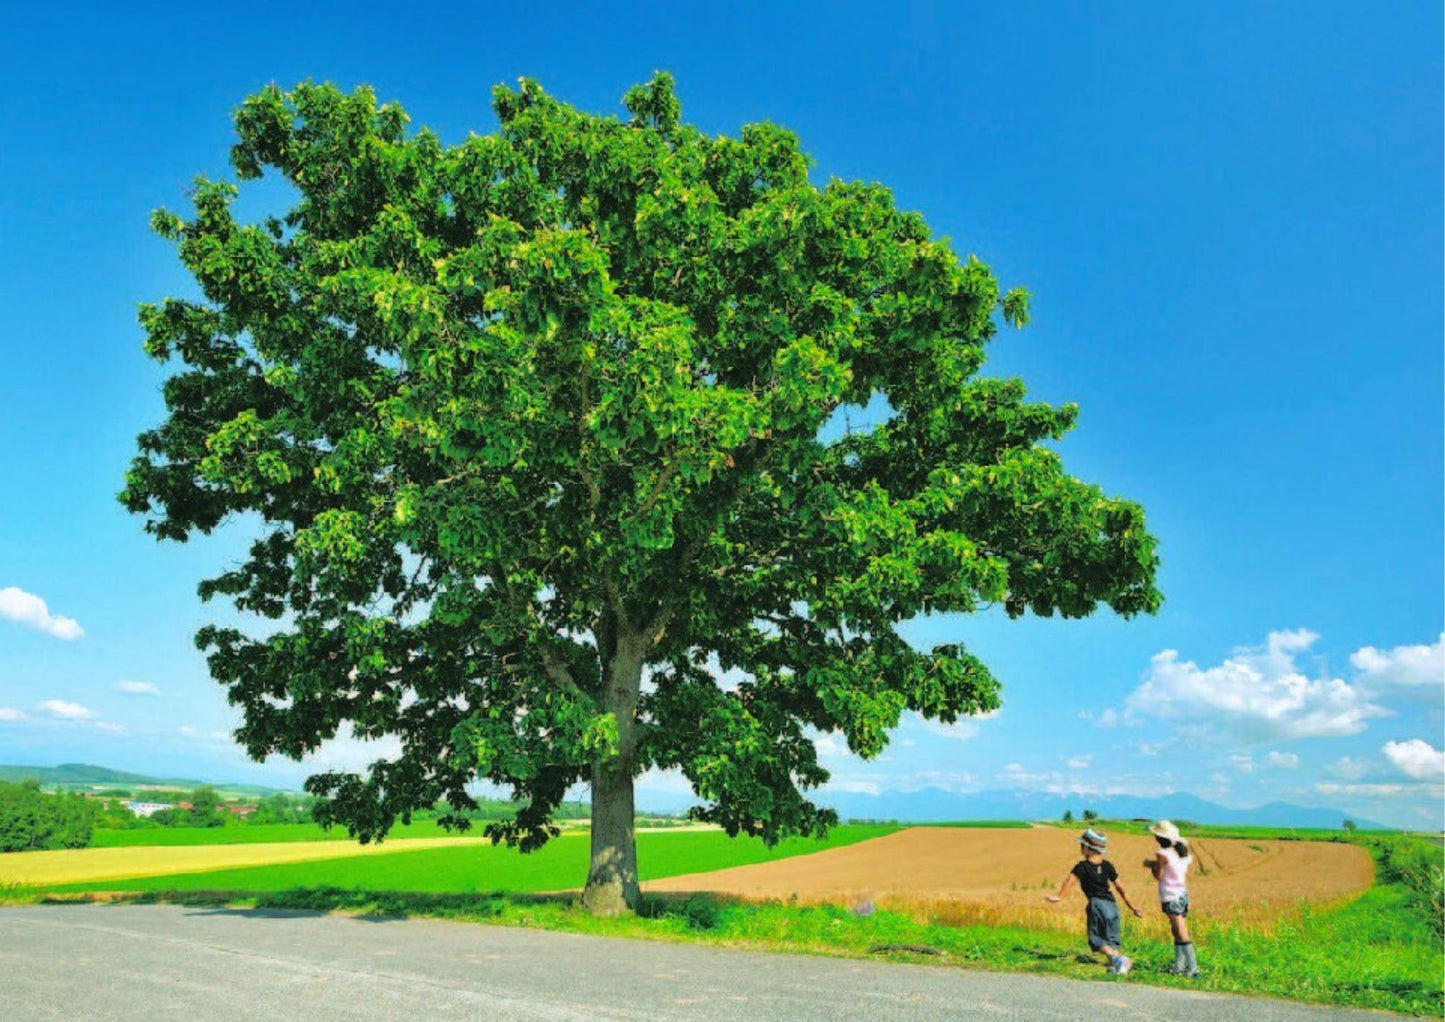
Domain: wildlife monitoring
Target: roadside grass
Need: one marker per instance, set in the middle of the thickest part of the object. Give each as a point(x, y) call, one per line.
point(560, 864)
point(1358, 954)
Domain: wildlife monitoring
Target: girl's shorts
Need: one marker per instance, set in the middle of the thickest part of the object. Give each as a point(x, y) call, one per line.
point(1177, 906)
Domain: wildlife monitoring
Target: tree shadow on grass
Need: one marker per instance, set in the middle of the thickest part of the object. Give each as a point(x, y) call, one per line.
point(372, 906)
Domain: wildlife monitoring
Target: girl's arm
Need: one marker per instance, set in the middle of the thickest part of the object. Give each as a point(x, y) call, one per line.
point(1124, 895)
point(1063, 889)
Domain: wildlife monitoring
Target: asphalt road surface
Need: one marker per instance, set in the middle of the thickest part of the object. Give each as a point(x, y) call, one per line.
point(133, 962)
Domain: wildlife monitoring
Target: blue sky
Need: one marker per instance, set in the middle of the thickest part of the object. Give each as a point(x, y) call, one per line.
point(1230, 218)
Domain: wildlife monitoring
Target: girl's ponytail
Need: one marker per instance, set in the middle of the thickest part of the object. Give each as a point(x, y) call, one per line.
point(1181, 849)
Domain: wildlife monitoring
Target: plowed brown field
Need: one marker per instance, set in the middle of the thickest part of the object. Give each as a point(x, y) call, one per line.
point(1001, 875)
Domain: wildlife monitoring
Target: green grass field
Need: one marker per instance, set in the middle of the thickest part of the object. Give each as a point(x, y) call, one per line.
point(561, 863)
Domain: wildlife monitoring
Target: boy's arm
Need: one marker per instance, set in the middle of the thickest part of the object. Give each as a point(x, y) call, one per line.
point(1063, 889)
point(1118, 886)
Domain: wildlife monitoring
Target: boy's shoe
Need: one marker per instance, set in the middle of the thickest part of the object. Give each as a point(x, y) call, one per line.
point(1122, 965)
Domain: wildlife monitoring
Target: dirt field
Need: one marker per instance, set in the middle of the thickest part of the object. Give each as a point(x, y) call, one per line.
point(1001, 875)
point(82, 865)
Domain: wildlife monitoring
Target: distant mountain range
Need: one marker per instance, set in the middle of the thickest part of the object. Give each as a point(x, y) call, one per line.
point(933, 805)
point(85, 775)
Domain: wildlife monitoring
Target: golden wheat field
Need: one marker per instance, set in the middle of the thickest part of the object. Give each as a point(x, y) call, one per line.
point(984, 875)
point(83, 865)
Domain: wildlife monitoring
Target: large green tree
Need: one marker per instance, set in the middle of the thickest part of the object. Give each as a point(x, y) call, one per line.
point(533, 430)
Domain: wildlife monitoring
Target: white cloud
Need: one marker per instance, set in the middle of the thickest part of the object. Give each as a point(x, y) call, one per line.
point(857, 787)
point(1080, 762)
point(1244, 764)
point(1255, 694)
point(1109, 718)
point(665, 782)
point(187, 730)
point(1420, 669)
point(1219, 779)
point(961, 729)
point(347, 753)
point(106, 727)
point(1416, 758)
point(31, 611)
point(1282, 760)
point(8, 713)
point(64, 710)
point(138, 688)
point(1349, 769)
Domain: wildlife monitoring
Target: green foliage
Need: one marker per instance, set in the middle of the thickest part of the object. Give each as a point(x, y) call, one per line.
point(1090, 815)
point(1417, 867)
point(529, 417)
point(32, 820)
point(1068, 816)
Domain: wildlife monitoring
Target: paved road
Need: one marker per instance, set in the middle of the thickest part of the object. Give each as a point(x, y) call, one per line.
point(132, 962)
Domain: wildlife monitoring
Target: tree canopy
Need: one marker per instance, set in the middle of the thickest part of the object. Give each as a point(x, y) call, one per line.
point(533, 429)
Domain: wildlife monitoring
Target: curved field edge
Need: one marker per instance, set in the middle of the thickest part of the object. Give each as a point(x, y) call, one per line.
point(469, 867)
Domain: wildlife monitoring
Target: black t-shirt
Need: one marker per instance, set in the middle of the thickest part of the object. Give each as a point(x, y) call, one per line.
point(1095, 878)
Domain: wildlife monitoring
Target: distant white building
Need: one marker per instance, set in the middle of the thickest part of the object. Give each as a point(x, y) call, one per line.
point(147, 808)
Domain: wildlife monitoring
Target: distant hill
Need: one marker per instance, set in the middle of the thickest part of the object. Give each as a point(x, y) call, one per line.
point(85, 775)
point(932, 805)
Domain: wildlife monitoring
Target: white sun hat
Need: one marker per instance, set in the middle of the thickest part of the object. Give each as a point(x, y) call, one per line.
point(1166, 830)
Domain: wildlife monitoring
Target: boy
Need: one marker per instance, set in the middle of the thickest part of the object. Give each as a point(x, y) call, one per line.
point(1102, 915)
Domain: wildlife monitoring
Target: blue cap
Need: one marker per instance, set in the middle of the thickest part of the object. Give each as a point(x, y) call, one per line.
point(1093, 840)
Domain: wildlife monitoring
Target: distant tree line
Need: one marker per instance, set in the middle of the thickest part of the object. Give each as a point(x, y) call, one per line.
point(34, 820)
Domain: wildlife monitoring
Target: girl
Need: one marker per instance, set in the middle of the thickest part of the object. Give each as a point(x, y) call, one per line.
point(1102, 915)
point(1169, 866)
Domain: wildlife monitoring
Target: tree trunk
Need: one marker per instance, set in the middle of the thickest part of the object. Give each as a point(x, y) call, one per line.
point(612, 879)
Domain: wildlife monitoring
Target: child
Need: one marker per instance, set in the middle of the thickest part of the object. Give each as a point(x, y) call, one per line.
point(1169, 867)
point(1102, 915)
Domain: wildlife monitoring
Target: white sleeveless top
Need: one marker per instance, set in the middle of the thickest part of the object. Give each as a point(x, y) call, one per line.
point(1171, 874)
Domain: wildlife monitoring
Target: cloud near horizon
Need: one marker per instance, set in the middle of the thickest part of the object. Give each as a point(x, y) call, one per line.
point(1259, 694)
point(30, 610)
